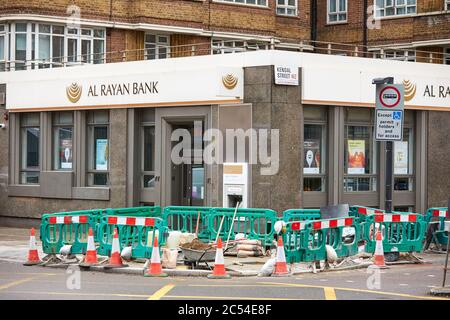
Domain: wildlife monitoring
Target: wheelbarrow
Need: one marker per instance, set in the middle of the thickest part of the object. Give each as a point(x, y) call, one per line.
point(194, 257)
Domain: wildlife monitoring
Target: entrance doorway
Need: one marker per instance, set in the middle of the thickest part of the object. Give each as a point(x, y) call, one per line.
point(187, 179)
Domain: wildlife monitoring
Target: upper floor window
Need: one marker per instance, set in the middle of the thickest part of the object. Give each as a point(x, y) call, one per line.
point(250, 2)
point(337, 11)
point(156, 47)
point(385, 8)
point(40, 45)
point(3, 37)
point(231, 46)
point(287, 7)
point(401, 55)
point(447, 2)
point(447, 56)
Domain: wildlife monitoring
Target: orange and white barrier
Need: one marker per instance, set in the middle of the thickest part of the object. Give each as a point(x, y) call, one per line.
point(219, 271)
point(33, 256)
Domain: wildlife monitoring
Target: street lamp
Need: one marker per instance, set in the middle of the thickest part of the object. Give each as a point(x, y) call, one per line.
point(389, 155)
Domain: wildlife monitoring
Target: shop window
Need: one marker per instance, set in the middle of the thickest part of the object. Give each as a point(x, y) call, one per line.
point(314, 142)
point(337, 11)
point(287, 7)
point(156, 47)
point(98, 148)
point(63, 140)
point(30, 144)
point(385, 8)
point(148, 148)
point(404, 161)
point(360, 152)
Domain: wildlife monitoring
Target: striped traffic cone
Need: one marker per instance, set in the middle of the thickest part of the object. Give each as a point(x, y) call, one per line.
point(33, 256)
point(280, 264)
point(219, 264)
point(155, 269)
point(90, 258)
point(379, 252)
point(115, 261)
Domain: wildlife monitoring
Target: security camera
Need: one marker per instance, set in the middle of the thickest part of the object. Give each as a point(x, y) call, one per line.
point(2, 126)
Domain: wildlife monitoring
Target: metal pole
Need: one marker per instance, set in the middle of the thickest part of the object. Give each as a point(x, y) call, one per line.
point(389, 173)
point(448, 247)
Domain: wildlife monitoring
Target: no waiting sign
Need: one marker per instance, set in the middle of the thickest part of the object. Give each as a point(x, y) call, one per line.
point(389, 97)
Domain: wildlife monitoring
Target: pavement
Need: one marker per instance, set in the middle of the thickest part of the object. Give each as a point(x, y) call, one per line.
point(398, 282)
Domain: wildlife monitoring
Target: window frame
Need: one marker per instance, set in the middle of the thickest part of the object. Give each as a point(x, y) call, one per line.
point(373, 174)
point(158, 45)
point(219, 46)
point(397, 55)
point(286, 7)
point(143, 126)
point(323, 172)
point(395, 7)
point(337, 13)
point(91, 124)
point(22, 147)
point(55, 147)
point(4, 34)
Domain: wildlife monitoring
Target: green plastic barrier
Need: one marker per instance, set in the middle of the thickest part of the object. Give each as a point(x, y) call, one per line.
point(133, 231)
point(184, 219)
point(440, 215)
point(402, 232)
point(256, 224)
point(305, 241)
point(301, 215)
point(58, 230)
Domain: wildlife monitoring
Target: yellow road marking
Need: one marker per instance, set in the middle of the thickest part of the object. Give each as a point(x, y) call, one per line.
point(330, 294)
point(226, 298)
point(405, 295)
point(161, 292)
point(15, 283)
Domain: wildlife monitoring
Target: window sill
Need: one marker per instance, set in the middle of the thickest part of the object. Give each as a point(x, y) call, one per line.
point(78, 193)
point(333, 23)
point(255, 6)
point(279, 15)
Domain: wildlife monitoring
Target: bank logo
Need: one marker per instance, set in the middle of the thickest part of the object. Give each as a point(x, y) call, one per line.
point(229, 81)
point(410, 90)
point(74, 92)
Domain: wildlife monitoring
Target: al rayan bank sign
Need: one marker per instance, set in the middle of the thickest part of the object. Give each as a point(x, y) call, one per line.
point(185, 87)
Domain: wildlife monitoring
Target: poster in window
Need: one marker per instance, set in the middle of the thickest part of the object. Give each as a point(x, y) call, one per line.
point(66, 153)
point(400, 157)
point(311, 163)
point(356, 156)
point(101, 156)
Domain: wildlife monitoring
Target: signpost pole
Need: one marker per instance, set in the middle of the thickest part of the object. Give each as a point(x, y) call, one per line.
point(389, 173)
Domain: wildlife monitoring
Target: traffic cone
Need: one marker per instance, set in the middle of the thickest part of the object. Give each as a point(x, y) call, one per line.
point(90, 258)
point(155, 269)
point(115, 261)
point(33, 256)
point(379, 253)
point(280, 264)
point(219, 264)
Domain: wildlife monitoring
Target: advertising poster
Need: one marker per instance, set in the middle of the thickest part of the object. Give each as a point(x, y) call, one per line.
point(356, 156)
point(101, 156)
point(311, 163)
point(400, 157)
point(66, 153)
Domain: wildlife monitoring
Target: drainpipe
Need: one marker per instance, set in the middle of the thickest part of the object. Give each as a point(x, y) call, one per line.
point(313, 21)
point(365, 17)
